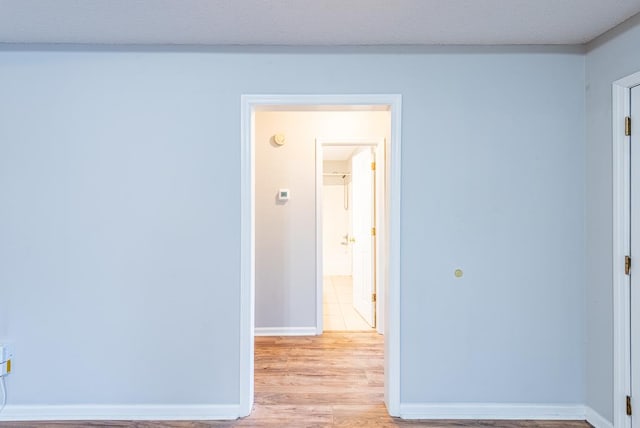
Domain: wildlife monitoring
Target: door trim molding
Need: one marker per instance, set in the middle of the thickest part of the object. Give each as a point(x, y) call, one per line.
point(248, 105)
point(621, 238)
point(381, 254)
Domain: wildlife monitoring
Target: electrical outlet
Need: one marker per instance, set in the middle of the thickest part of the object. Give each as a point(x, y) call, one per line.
point(6, 354)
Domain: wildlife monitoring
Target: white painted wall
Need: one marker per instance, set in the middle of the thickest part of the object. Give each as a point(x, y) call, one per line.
point(609, 58)
point(336, 220)
point(285, 233)
point(120, 216)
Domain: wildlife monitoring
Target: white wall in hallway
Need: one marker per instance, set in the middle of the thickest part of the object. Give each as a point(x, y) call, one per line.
point(336, 220)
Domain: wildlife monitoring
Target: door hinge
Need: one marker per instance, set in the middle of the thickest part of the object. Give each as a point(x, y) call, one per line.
point(629, 412)
point(373, 166)
point(373, 297)
point(627, 265)
point(627, 126)
point(373, 231)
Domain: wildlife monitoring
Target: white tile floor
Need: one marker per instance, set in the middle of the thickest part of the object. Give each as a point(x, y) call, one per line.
point(338, 311)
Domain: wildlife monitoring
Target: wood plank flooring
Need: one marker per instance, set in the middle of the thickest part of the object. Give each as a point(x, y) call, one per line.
point(333, 380)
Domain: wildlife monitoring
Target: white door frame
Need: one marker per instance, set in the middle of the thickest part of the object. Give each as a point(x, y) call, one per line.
point(381, 227)
point(621, 248)
point(248, 106)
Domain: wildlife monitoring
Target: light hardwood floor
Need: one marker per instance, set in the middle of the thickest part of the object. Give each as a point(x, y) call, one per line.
point(333, 380)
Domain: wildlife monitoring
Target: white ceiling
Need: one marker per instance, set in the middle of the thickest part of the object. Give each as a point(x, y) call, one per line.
point(305, 22)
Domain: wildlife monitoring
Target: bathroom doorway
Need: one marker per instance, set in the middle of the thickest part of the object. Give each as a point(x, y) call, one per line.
point(348, 212)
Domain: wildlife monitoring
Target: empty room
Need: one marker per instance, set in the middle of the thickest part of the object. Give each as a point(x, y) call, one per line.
point(364, 213)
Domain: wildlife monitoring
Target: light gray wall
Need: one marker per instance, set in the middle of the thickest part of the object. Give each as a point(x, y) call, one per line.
point(118, 257)
point(493, 183)
point(120, 218)
point(286, 232)
point(609, 58)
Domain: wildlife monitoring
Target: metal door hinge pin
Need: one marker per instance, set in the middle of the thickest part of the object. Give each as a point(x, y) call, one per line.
point(627, 265)
point(627, 126)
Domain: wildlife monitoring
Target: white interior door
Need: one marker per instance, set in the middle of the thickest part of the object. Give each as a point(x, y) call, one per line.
point(635, 253)
point(362, 184)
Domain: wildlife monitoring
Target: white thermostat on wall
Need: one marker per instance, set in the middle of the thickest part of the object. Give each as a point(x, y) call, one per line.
point(283, 194)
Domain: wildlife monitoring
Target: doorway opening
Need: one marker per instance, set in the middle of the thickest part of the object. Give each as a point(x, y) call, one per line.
point(350, 212)
point(390, 274)
point(626, 250)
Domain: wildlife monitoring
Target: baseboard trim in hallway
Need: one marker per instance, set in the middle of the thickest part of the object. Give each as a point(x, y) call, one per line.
point(492, 411)
point(285, 331)
point(119, 412)
point(596, 419)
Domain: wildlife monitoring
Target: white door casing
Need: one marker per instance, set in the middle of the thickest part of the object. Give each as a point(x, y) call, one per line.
point(634, 227)
point(621, 233)
point(362, 182)
point(365, 102)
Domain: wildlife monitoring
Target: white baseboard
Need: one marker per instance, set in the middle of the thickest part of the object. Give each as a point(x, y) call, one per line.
point(285, 331)
point(124, 412)
point(231, 411)
point(491, 411)
point(596, 419)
